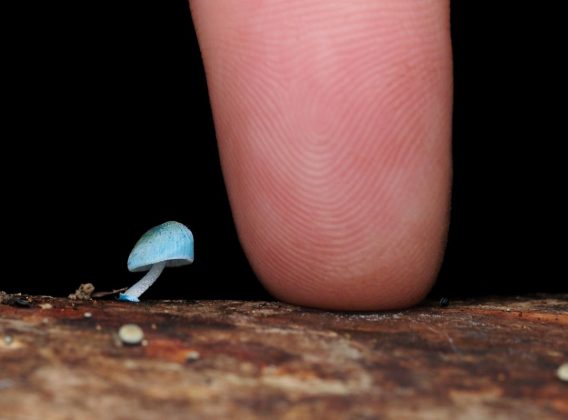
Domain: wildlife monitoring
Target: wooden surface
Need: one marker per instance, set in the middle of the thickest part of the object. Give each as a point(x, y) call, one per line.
point(491, 358)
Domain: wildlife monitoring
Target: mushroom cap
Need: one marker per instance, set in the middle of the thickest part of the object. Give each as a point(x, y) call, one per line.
point(171, 242)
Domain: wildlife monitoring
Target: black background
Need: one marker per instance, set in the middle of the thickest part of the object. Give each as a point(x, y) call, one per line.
point(108, 131)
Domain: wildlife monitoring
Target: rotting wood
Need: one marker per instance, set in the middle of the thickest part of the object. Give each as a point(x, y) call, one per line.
point(487, 358)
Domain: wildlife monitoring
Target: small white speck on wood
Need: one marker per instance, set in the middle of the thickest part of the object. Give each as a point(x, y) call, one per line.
point(562, 372)
point(131, 334)
point(192, 356)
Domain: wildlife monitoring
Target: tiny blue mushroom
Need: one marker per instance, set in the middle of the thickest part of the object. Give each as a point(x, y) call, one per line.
point(167, 245)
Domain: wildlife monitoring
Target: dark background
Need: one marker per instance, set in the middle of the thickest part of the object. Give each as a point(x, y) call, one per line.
point(86, 84)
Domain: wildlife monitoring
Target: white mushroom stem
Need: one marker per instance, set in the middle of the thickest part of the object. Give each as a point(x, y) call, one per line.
point(142, 285)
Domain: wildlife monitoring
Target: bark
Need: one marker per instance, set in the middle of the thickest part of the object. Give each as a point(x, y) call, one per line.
point(486, 358)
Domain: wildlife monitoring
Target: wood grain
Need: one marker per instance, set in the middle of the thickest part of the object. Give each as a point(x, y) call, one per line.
point(487, 358)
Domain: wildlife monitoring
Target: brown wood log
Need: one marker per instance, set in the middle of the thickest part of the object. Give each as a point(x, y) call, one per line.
point(486, 358)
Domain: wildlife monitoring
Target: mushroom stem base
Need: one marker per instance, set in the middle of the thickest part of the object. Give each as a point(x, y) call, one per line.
point(143, 284)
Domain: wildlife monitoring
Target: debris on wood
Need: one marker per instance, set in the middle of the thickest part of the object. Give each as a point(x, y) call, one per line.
point(98, 295)
point(562, 372)
point(84, 292)
point(192, 356)
point(15, 299)
point(131, 334)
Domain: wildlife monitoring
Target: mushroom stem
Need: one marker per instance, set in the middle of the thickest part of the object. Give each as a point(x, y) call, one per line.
point(144, 283)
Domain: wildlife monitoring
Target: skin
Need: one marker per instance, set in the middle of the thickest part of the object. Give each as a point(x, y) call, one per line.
point(333, 121)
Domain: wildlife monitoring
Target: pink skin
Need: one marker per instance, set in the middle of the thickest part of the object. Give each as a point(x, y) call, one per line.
point(333, 120)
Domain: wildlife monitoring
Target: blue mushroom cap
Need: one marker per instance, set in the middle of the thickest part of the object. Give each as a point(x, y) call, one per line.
point(171, 242)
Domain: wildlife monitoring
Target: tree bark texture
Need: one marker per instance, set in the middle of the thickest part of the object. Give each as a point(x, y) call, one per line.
point(485, 358)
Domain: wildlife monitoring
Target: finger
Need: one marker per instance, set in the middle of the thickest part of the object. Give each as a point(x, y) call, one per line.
point(333, 121)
